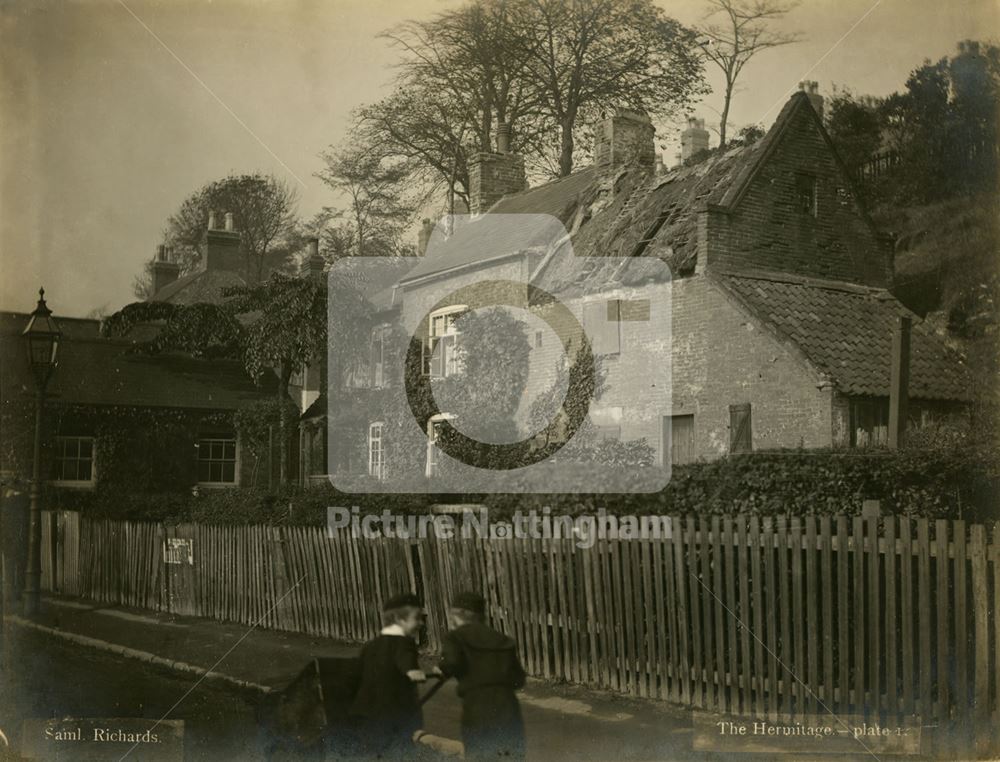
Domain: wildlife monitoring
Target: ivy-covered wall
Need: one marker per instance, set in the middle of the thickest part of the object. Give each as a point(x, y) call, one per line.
point(136, 450)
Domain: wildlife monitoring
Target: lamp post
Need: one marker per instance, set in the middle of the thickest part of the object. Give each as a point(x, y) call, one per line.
point(43, 336)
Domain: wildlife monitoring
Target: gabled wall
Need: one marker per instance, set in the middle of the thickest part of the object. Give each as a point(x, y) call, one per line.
point(766, 230)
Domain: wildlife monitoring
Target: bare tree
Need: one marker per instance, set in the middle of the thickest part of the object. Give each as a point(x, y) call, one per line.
point(428, 126)
point(743, 32)
point(543, 68)
point(378, 205)
point(479, 54)
point(594, 55)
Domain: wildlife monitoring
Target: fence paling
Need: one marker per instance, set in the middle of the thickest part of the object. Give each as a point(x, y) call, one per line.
point(767, 619)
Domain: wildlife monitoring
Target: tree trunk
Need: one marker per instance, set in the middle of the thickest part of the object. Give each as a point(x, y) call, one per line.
point(566, 147)
point(284, 376)
point(725, 116)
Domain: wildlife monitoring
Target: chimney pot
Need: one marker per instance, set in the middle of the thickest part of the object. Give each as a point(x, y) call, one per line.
point(313, 265)
point(811, 89)
point(424, 236)
point(503, 137)
point(211, 219)
point(164, 271)
point(694, 139)
point(222, 247)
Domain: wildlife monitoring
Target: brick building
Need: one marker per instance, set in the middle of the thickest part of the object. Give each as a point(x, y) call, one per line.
point(776, 319)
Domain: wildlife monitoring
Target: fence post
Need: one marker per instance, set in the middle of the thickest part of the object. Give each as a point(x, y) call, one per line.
point(899, 382)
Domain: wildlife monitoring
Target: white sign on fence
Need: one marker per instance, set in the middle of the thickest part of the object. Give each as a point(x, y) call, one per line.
point(177, 550)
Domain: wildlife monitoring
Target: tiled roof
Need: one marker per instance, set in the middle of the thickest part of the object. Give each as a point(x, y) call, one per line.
point(95, 371)
point(845, 331)
point(202, 286)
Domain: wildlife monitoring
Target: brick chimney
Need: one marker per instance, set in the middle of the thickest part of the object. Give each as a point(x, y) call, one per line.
point(625, 138)
point(314, 264)
point(222, 247)
point(495, 175)
point(424, 236)
point(165, 272)
point(811, 89)
point(694, 139)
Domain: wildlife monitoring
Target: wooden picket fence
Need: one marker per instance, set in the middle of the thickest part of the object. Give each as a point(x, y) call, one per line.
point(774, 618)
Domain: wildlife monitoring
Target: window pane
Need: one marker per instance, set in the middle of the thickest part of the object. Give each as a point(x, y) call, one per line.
point(86, 447)
point(229, 472)
point(230, 450)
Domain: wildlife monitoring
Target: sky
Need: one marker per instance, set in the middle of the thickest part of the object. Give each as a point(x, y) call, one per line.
point(113, 111)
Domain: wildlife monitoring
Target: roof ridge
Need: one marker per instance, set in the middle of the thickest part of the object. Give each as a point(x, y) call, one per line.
point(57, 318)
point(776, 276)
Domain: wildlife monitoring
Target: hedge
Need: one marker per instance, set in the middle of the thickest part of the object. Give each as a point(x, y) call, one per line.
point(956, 482)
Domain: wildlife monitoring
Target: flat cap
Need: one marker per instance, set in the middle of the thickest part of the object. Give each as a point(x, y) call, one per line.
point(469, 601)
point(403, 599)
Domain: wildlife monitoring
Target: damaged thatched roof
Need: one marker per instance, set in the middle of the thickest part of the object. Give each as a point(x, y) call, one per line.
point(628, 214)
point(648, 216)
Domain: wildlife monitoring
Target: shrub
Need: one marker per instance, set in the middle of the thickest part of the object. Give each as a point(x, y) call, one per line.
point(954, 478)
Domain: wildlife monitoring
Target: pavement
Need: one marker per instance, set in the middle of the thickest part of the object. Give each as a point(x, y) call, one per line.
point(561, 721)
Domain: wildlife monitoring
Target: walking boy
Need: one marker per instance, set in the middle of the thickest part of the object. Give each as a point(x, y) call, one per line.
point(488, 671)
point(387, 705)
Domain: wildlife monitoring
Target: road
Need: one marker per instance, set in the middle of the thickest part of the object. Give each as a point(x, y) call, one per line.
point(47, 677)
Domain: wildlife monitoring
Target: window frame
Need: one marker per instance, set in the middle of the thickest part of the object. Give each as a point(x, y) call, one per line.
point(59, 480)
point(378, 426)
point(874, 410)
point(448, 364)
point(202, 438)
point(379, 334)
point(804, 181)
point(608, 422)
point(431, 461)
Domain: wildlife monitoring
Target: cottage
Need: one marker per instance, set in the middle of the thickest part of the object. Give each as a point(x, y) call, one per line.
point(150, 423)
point(776, 319)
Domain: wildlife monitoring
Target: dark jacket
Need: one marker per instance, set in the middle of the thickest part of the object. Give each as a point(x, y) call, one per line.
point(488, 671)
point(387, 705)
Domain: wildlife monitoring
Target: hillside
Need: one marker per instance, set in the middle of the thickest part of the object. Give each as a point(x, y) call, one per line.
point(948, 270)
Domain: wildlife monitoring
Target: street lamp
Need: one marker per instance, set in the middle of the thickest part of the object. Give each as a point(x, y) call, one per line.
point(43, 336)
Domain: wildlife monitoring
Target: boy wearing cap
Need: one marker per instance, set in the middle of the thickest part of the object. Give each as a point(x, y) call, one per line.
point(488, 671)
point(386, 704)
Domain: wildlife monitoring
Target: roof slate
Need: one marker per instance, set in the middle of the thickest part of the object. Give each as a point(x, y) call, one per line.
point(846, 331)
point(483, 239)
point(94, 371)
point(202, 286)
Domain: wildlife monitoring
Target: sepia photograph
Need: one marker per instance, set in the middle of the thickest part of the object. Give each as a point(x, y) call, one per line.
point(498, 380)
